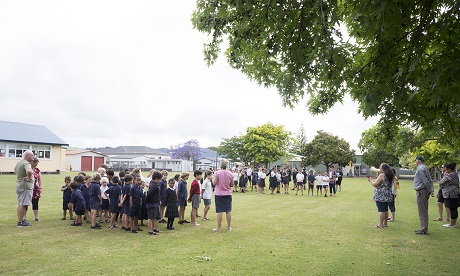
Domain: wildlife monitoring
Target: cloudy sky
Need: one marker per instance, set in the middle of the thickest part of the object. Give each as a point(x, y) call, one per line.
point(111, 73)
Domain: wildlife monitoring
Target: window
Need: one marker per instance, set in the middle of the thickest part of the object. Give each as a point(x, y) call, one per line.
point(2, 150)
point(17, 150)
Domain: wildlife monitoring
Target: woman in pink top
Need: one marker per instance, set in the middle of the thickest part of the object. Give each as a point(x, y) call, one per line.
point(223, 180)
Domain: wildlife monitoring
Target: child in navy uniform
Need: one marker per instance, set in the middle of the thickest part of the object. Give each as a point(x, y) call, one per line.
point(124, 203)
point(95, 199)
point(152, 202)
point(171, 204)
point(114, 196)
point(85, 191)
point(66, 193)
point(78, 203)
point(135, 204)
point(182, 196)
point(163, 188)
point(143, 208)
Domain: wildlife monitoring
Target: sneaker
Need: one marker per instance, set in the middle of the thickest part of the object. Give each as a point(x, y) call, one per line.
point(134, 231)
point(101, 221)
point(37, 219)
point(24, 224)
point(75, 224)
point(420, 232)
point(185, 221)
point(156, 230)
point(152, 233)
point(195, 224)
point(448, 226)
point(181, 222)
point(95, 227)
point(107, 220)
point(62, 218)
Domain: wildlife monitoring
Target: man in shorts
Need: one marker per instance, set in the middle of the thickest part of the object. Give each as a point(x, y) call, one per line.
point(24, 186)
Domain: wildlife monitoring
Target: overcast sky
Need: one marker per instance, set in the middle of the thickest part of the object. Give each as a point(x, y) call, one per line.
point(113, 73)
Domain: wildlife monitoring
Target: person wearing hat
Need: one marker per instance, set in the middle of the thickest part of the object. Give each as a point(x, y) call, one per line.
point(423, 185)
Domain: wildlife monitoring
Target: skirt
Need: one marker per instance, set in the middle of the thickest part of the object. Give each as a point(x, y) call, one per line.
point(171, 210)
point(261, 182)
point(153, 212)
point(451, 202)
point(223, 203)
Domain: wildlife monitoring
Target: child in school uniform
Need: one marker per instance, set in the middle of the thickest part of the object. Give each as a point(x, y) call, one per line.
point(235, 180)
point(135, 204)
point(105, 200)
point(171, 204)
point(243, 181)
point(114, 196)
point(326, 180)
point(143, 208)
point(255, 179)
point(182, 196)
point(206, 194)
point(66, 193)
point(78, 203)
point(85, 191)
point(124, 203)
point(152, 202)
point(163, 188)
point(319, 184)
point(95, 199)
point(195, 196)
point(278, 181)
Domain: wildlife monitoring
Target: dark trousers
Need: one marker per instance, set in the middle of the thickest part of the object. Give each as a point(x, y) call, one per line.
point(331, 188)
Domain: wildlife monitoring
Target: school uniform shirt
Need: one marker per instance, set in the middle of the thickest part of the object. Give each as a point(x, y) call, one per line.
point(326, 180)
point(163, 187)
point(194, 189)
point(207, 187)
point(85, 191)
point(299, 178)
point(103, 189)
point(171, 197)
point(153, 195)
point(262, 175)
point(311, 179)
point(249, 172)
point(78, 201)
point(319, 178)
point(114, 193)
point(66, 194)
point(235, 176)
point(182, 189)
point(94, 191)
point(136, 193)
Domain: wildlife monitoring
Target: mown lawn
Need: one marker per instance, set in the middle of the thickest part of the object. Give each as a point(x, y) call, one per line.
point(272, 235)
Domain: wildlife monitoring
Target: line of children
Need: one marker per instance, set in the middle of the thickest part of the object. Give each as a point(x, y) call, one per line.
point(182, 196)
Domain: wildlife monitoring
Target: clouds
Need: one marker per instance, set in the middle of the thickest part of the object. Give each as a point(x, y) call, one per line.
point(109, 73)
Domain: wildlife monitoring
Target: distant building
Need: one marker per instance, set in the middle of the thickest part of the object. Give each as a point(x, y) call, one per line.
point(84, 160)
point(16, 138)
point(135, 150)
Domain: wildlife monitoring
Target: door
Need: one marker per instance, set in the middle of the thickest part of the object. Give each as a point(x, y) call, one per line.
point(86, 163)
point(98, 161)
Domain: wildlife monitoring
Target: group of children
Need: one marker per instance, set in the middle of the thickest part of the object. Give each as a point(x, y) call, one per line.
point(277, 178)
point(133, 197)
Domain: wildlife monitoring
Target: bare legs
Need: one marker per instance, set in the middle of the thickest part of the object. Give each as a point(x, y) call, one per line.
point(219, 221)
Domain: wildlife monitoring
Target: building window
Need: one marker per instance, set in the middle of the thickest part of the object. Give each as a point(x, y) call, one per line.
point(17, 150)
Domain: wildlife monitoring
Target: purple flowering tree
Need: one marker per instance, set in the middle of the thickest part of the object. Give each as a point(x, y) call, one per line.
point(188, 151)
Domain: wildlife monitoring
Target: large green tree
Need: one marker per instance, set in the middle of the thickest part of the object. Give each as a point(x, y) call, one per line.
point(380, 144)
point(399, 60)
point(266, 143)
point(327, 149)
point(234, 149)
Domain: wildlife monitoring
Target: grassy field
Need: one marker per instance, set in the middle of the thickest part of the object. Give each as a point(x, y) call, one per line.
point(272, 235)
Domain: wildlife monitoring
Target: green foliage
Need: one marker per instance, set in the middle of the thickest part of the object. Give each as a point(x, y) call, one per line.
point(398, 59)
point(385, 144)
point(234, 149)
point(266, 143)
point(299, 141)
point(327, 149)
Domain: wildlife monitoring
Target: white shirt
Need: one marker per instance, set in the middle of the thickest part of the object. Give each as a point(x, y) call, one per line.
point(249, 172)
point(207, 187)
point(103, 189)
point(319, 178)
point(299, 177)
point(326, 180)
point(176, 185)
point(262, 175)
point(235, 176)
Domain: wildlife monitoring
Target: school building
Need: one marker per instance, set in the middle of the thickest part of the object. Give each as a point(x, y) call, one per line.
point(84, 160)
point(16, 138)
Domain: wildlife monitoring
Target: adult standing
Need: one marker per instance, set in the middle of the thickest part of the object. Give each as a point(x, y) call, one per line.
point(37, 187)
point(441, 198)
point(223, 179)
point(24, 186)
point(382, 192)
point(423, 185)
point(449, 185)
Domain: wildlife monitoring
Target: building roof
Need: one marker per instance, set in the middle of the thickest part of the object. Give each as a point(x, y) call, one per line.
point(132, 150)
point(74, 152)
point(28, 133)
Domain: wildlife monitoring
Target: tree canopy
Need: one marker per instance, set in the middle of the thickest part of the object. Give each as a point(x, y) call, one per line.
point(327, 149)
point(399, 60)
